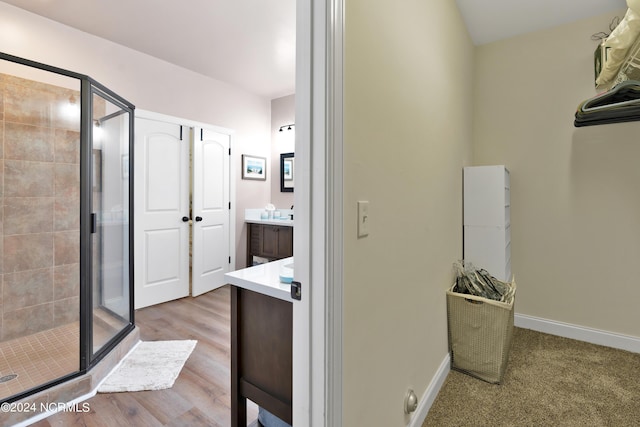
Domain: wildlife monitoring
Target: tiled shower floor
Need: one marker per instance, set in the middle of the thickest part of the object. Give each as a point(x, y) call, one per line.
point(39, 358)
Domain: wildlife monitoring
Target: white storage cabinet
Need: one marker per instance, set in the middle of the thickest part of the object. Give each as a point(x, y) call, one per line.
point(487, 219)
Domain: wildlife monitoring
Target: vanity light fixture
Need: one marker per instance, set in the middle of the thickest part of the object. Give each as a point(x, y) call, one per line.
point(286, 126)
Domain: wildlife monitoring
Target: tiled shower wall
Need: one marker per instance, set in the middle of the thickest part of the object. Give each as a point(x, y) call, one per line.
point(40, 204)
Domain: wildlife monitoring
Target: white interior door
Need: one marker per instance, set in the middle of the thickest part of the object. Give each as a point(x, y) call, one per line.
point(161, 212)
point(211, 211)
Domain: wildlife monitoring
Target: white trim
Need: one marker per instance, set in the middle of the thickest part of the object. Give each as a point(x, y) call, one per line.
point(234, 204)
point(305, 334)
point(567, 330)
point(335, 213)
point(431, 393)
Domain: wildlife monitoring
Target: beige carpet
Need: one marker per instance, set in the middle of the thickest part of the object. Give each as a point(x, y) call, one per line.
point(550, 381)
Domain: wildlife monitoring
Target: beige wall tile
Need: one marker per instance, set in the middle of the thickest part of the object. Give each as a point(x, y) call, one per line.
point(42, 127)
point(27, 288)
point(27, 321)
point(66, 213)
point(67, 247)
point(66, 281)
point(28, 215)
point(1, 238)
point(27, 142)
point(67, 146)
point(19, 253)
point(66, 311)
point(28, 179)
point(2, 86)
point(28, 105)
point(67, 180)
point(66, 111)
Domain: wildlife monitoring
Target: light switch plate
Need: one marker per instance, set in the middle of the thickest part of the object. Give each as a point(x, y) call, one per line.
point(363, 218)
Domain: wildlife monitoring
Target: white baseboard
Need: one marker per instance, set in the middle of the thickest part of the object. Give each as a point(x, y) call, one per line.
point(430, 394)
point(567, 330)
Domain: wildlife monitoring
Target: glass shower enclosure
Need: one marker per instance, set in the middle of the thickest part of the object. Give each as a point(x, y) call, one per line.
point(66, 271)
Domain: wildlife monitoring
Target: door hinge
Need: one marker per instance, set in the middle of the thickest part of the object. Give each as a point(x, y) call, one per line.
point(229, 260)
point(180, 132)
point(201, 134)
point(229, 205)
point(229, 151)
point(93, 224)
point(296, 290)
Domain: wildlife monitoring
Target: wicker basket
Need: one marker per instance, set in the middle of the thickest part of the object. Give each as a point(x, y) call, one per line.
point(480, 332)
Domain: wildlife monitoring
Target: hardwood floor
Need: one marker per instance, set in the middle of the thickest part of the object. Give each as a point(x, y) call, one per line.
point(200, 395)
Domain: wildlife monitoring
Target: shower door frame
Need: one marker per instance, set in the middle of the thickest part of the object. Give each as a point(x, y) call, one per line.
point(88, 87)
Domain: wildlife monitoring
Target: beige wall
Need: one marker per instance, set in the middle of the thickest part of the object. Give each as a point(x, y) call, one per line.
point(575, 210)
point(408, 85)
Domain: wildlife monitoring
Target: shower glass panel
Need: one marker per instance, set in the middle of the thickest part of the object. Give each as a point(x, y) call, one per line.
point(110, 189)
point(66, 295)
point(39, 227)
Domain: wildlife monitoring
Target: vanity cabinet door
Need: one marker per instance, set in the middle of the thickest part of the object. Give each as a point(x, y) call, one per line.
point(269, 241)
point(285, 242)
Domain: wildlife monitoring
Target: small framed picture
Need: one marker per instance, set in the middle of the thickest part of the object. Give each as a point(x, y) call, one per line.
point(287, 164)
point(254, 167)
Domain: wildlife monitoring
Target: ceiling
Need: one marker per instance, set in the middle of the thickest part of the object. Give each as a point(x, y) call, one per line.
point(492, 20)
point(251, 43)
point(248, 43)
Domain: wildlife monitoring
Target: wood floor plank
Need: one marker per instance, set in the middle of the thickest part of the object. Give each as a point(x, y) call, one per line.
point(201, 393)
point(194, 417)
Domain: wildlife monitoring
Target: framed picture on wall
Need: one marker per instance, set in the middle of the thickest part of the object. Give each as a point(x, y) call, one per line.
point(287, 163)
point(287, 170)
point(254, 167)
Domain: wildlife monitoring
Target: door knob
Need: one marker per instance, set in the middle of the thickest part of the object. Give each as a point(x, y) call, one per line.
point(185, 218)
point(198, 218)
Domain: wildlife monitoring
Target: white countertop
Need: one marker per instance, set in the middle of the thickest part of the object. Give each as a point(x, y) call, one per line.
point(253, 216)
point(263, 278)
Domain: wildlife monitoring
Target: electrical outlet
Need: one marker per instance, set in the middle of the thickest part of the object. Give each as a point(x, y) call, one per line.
point(363, 218)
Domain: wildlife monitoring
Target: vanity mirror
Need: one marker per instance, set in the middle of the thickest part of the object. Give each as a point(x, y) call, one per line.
point(287, 161)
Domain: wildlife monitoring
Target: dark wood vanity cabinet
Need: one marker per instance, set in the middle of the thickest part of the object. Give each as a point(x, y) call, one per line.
point(269, 241)
point(261, 355)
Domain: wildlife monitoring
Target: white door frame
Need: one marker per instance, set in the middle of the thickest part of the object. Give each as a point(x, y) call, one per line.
point(318, 200)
